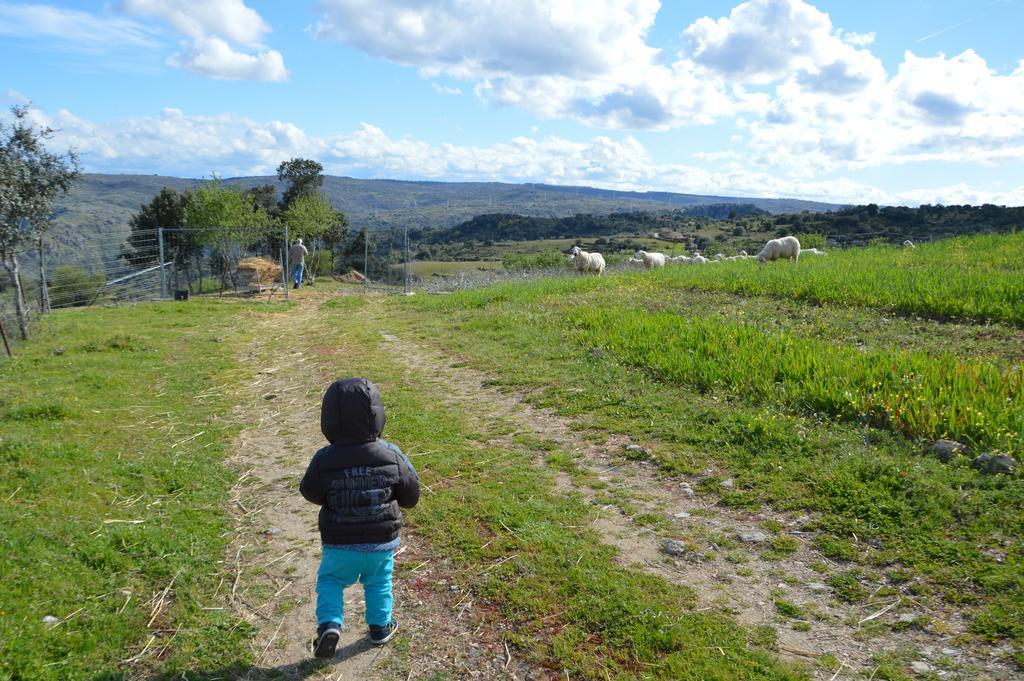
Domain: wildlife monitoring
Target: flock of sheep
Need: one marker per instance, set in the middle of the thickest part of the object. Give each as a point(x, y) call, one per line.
point(787, 247)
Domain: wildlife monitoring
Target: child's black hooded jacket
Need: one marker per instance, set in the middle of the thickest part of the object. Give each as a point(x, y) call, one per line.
point(358, 481)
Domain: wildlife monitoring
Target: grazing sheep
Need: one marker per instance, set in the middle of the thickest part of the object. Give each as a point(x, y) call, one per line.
point(587, 262)
point(719, 256)
point(699, 259)
point(680, 260)
point(813, 251)
point(635, 263)
point(909, 244)
point(776, 249)
point(651, 259)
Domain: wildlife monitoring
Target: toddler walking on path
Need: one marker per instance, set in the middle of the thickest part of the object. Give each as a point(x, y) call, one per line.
point(359, 481)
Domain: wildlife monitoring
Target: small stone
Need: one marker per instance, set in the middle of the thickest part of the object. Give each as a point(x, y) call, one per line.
point(51, 621)
point(59, 351)
point(920, 667)
point(636, 449)
point(270, 396)
point(686, 490)
point(906, 618)
point(273, 531)
point(753, 537)
point(596, 353)
point(728, 483)
point(817, 587)
point(949, 652)
point(994, 462)
point(947, 450)
point(674, 547)
point(681, 515)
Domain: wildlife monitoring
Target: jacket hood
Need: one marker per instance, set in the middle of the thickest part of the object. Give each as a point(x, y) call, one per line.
point(352, 412)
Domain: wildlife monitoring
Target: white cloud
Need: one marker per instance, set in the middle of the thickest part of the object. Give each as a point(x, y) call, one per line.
point(762, 41)
point(72, 28)
point(211, 26)
point(180, 144)
point(214, 58)
point(12, 96)
point(582, 59)
point(575, 38)
point(856, 39)
point(445, 89)
point(936, 109)
point(231, 19)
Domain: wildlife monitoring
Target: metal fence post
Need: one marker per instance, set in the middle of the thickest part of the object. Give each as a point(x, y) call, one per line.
point(163, 274)
point(287, 272)
point(366, 260)
point(407, 282)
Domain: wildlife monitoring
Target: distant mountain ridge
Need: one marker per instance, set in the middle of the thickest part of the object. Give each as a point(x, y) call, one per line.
point(97, 211)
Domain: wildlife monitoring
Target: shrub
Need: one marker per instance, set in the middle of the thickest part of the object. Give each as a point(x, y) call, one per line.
point(75, 286)
point(811, 240)
point(320, 263)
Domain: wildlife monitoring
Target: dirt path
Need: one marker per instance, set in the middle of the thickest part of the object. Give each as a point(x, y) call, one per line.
point(723, 550)
point(276, 551)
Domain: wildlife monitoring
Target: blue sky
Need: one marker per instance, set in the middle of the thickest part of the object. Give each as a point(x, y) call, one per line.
point(910, 102)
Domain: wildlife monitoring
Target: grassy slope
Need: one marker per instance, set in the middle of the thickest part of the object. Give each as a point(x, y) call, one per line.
point(893, 513)
point(113, 415)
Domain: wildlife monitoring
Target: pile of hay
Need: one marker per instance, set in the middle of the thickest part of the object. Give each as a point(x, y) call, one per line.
point(266, 269)
point(351, 277)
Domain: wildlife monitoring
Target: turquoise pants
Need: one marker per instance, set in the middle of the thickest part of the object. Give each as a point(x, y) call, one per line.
point(340, 568)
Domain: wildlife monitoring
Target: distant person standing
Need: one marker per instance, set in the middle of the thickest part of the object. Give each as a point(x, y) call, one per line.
point(297, 254)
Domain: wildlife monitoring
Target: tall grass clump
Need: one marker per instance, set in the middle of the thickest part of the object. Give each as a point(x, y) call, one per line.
point(909, 392)
point(979, 278)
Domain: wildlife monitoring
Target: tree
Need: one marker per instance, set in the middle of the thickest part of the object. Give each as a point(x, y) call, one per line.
point(311, 217)
point(304, 177)
point(263, 197)
point(165, 211)
point(224, 219)
point(30, 180)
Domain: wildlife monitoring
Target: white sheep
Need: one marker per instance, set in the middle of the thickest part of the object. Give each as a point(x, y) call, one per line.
point(681, 260)
point(813, 251)
point(651, 259)
point(699, 259)
point(587, 262)
point(776, 249)
point(635, 263)
point(909, 244)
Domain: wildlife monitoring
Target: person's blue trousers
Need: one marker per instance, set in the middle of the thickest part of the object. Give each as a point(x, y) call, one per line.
point(340, 568)
point(297, 275)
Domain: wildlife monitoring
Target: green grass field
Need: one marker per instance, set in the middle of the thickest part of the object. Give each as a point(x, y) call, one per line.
point(978, 278)
point(815, 388)
point(112, 439)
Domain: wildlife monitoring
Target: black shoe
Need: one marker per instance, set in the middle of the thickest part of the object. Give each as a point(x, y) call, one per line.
point(326, 641)
point(381, 635)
